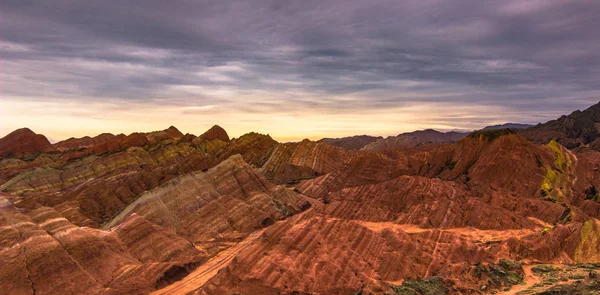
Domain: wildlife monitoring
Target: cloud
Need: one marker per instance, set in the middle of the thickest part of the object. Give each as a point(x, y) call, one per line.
point(526, 61)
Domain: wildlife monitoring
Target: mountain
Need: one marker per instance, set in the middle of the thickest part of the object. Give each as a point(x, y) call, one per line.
point(292, 162)
point(508, 126)
point(23, 141)
point(352, 142)
point(424, 212)
point(215, 132)
point(412, 139)
point(579, 129)
point(106, 142)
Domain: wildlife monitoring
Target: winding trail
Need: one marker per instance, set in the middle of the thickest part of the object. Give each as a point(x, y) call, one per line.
point(209, 269)
point(530, 280)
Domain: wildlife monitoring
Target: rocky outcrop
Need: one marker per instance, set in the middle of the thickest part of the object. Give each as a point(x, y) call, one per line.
point(99, 144)
point(291, 162)
point(428, 203)
point(255, 148)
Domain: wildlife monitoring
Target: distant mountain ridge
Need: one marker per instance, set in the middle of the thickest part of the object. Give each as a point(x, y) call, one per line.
point(579, 129)
point(352, 142)
point(411, 139)
point(508, 126)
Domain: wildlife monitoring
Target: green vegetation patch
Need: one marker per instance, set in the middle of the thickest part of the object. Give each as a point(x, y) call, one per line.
point(505, 274)
point(544, 269)
point(427, 286)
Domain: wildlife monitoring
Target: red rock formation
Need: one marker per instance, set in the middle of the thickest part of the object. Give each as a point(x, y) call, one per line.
point(306, 159)
point(42, 253)
point(215, 132)
point(255, 148)
point(74, 148)
point(22, 142)
point(330, 256)
point(81, 185)
point(148, 242)
point(222, 203)
point(169, 203)
point(112, 142)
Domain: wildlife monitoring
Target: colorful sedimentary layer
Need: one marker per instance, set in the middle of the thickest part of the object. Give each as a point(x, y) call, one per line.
point(182, 214)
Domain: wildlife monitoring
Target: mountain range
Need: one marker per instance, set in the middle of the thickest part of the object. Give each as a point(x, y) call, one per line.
point(506, 209)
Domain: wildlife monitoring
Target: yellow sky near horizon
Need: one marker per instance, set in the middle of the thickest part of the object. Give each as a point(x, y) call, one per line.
point(62, 119)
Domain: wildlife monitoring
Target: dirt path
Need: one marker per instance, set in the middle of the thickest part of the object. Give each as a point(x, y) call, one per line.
point(475, 235)
point(530, 280)
point(209, 269)
point(206, 271)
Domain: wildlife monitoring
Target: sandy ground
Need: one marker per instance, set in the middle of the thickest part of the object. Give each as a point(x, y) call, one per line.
point(473, 234)
point(530, 280)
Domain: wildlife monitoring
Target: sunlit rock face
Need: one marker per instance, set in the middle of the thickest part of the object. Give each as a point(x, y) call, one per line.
point(223, 202)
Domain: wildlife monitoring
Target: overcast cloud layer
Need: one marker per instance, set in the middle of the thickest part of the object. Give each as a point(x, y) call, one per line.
point(293, 69)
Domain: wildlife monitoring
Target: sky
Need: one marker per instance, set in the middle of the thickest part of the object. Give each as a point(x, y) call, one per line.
point(293, 69)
